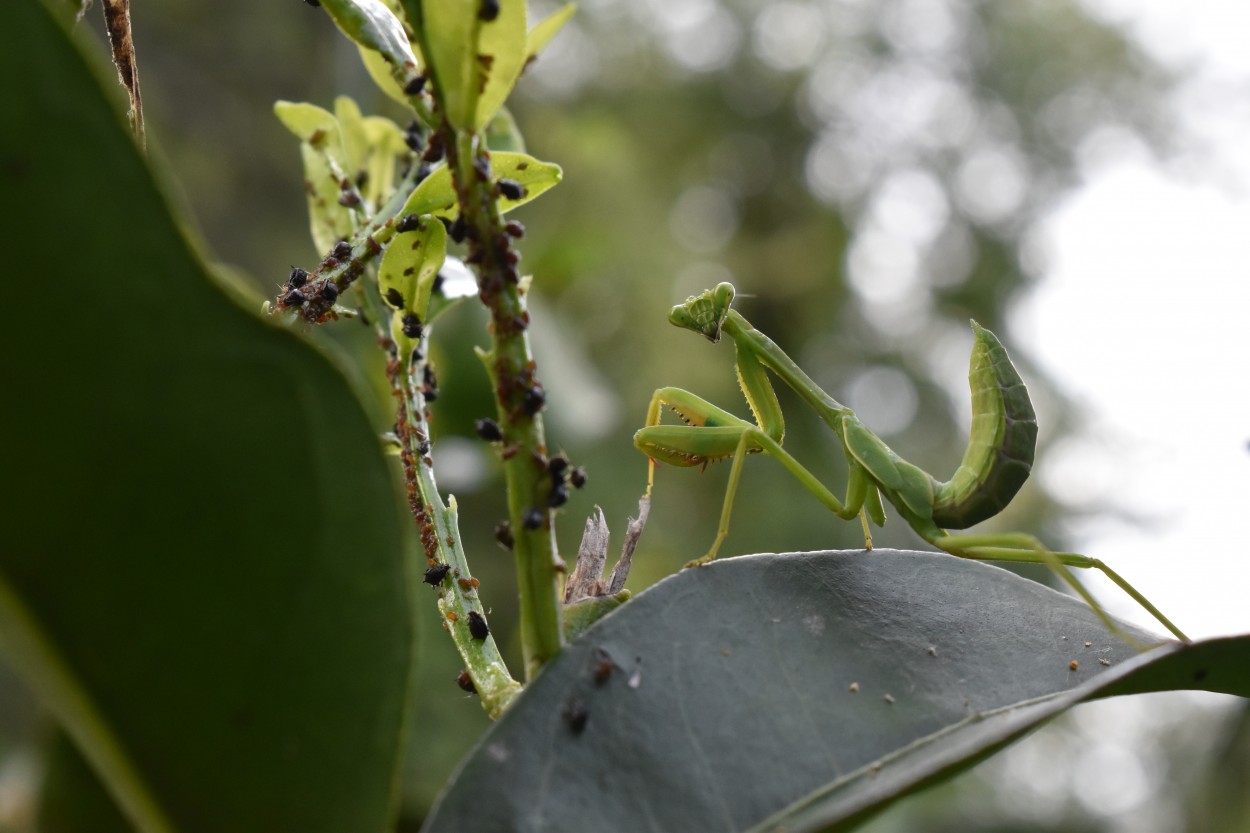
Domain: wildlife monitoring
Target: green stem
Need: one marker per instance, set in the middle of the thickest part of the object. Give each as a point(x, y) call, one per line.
point(437, 524)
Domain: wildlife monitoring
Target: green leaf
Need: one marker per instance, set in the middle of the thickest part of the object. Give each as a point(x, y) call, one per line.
point(546, 29)
point(311, 124)
point(329, 221)
point(374, 26)
point(409, 265)
point(380, 71)
point(503, 134)
point(476, 63)
point(202, 572)
point(435, 195)
point(800, 692)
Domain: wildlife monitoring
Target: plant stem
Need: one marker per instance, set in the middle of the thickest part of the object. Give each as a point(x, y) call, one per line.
point(519, 399)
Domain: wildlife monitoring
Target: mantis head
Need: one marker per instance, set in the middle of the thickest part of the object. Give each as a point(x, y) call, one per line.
point(705, 313)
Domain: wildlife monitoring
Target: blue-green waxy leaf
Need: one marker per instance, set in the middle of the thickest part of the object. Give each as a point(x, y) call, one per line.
point(546, 29)
point(374, 26)
point(406, 277)
point(799, 692)
point(202, 571)
point(476, 61)
point(436, 195)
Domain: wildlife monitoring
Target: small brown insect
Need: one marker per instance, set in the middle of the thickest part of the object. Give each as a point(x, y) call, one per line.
point(603, 666)
point(1073, 665)
point(466, 682)
point(577, 477)
point(853, 688)
point(503, 534)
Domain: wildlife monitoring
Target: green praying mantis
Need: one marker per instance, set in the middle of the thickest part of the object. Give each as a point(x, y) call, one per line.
point(995, 464)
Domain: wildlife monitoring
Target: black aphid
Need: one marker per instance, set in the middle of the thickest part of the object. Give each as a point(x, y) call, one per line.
point(466, 682)
point(431, 384)
point(395, 298)
point(503, 534)
point(294, 298)
point(533, 518)
point(412, 328)
point(510, 188)
point(478, 628)
point(489, 10)
point(409, 222)
point(557, 465)
point(488, 430)
point(559, 495)
point(342, 250)
point(415, 86)
point(298, 278)
point(434, 576)
point(329, 293)
point(577, 477)
point(575, 715)
point(534, 400)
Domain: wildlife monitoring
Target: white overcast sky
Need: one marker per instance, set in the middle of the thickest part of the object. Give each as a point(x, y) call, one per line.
point(1145, 318)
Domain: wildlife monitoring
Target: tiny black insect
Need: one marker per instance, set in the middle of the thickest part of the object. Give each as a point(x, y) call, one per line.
point(298, 278)
point(489, 10)
point(559, 495)
point(411, 326)
point(431, 384)
point(557, 465)
point(349, 199)
point(415, 86)
point(510, 188)
point(458, 229)
point(434, 575)
point(575, 715)
point(577, 477)
point(534, 400)
point(294, 298)
point(423, 448)
point(395, 298)
point(409, 222)
point(329, 293)
point(488, 430)
point(478, 628)
point(533, 518)
point(439, 280)
point(503, 534)
point(342, 250)
point(466, 682)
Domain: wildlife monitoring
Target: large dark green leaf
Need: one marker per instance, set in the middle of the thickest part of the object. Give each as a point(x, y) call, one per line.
point(201, 568)
point(799, 692)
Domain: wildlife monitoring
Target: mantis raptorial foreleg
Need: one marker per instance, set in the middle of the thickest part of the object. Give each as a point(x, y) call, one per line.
point(995, 465)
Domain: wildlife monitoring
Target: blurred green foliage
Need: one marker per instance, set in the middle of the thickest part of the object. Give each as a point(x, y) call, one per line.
point(870, 171)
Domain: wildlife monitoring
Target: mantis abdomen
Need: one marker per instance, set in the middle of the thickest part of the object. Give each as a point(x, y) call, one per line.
point(1000, 447)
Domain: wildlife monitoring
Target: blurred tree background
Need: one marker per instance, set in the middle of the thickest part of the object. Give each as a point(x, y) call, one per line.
point(871, 171)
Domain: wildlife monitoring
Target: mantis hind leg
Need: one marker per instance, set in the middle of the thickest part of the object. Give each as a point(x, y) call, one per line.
point(1025, 549)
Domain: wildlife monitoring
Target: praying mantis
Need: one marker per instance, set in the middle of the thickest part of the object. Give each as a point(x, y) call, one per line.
point(996, 462)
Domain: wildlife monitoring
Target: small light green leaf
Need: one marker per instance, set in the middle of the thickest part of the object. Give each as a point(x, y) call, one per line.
point(386, 143)
point(435, 195)
point(502, 133)
point(546, 29)
point(501, 46)
point(476, 62)
point(352, 130)
point(380, 71)
point(311, 124)
point(329, 222)
point(372, 25)
point(409, 265)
